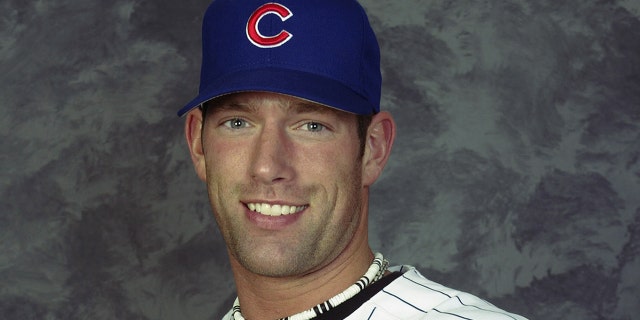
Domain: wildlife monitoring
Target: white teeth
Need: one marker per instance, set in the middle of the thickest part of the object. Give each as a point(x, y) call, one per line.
point(274, 210)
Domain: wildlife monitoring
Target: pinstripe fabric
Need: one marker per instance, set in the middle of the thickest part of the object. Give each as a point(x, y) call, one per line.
point(413, 297)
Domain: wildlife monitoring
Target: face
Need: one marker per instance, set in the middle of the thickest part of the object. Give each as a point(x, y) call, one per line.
point(284, 178)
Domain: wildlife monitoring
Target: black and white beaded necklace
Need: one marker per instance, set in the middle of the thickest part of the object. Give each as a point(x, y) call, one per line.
point(373, 274)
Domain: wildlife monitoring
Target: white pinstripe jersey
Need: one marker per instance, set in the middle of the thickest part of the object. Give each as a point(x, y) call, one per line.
point(413, 297)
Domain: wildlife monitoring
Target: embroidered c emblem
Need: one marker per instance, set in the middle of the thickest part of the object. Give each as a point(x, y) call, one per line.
point(260, 40)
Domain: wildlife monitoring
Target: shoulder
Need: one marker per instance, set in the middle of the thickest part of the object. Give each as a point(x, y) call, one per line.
point(412, 296)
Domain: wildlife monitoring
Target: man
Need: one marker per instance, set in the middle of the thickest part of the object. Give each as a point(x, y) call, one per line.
point(288, 135)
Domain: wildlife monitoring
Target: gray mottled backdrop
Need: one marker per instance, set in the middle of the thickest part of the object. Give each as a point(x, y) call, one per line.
point(515, 176)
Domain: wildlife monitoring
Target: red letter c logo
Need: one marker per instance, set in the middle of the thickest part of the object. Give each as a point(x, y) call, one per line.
point(254, 35)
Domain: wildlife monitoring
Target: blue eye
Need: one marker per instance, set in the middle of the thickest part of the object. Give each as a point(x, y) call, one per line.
point(314, 126)
point(236, 123)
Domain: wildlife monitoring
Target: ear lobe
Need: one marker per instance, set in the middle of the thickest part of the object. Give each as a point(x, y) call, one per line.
point(380, 137)
point(193, 134)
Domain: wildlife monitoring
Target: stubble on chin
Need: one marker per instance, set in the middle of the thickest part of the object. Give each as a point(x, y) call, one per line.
point(308, 250)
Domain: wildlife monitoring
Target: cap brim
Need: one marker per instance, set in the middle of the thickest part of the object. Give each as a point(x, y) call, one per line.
point(295, 83)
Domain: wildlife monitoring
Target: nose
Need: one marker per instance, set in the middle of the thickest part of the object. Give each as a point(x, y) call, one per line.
point(272, 156)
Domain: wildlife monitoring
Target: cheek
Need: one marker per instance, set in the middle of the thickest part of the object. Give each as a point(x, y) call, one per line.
point(225, 156)
point(342, 183)
point(339, 170)
point(224, 169)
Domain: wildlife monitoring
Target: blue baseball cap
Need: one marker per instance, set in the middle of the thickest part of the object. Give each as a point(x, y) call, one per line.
point(318, 50)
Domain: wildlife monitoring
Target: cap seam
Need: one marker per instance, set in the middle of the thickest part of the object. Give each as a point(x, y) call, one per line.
point(361, 77)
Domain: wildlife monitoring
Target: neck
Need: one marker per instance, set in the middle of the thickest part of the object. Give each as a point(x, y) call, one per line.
point(273, 298)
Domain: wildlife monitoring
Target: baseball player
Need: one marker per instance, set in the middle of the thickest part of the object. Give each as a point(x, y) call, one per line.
point(288, 136)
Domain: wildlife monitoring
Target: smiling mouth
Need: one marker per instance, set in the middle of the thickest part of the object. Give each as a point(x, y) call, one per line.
point(274, 210)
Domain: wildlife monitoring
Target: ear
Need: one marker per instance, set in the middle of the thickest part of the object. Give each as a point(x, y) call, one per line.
point(380, 136)
point(193, 132)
